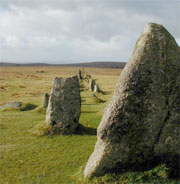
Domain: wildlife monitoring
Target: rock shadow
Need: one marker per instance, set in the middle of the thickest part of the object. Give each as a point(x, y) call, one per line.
point(106, 92)
point(90, 104)
point(28, 107)
point(172, 170)
point(89, 111)
point(82, 130)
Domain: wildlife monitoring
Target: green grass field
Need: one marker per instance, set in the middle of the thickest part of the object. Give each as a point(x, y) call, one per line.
point(27, 158)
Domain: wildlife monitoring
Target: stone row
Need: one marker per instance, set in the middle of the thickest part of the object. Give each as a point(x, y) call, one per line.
point(140, 126)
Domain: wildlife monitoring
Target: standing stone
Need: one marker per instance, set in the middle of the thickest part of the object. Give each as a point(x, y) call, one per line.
point(96, 88)
point(79, 74)
point(88, 77)
point(64, 106)
point(91, 84)
point(140, 126)
point(45, 100)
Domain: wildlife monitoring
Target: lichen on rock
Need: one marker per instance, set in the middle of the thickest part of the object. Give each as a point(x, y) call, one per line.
point(145, 110)
point(64, 106)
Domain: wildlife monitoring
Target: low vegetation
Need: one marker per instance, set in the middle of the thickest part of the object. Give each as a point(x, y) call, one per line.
point(28, 158)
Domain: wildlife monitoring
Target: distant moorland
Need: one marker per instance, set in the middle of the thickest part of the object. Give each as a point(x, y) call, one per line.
point(100, 64)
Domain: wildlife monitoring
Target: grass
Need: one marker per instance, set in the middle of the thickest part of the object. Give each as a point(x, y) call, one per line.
point(26, 158)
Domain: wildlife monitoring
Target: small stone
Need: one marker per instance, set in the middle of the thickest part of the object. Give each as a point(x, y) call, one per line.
point(91, 84)
point(12, 105)
point(45, 100)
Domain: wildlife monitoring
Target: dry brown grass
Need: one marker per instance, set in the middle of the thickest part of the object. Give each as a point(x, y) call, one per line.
point(26, 83)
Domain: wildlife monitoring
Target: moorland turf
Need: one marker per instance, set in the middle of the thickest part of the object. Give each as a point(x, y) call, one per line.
point(27, 158)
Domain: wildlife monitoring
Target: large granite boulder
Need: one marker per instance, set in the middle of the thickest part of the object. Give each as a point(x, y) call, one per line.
point(64, 106)
point(140, 126)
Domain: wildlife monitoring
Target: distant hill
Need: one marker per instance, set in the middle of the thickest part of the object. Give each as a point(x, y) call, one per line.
point(90, 64)
point(99, 64)
point(21, 64)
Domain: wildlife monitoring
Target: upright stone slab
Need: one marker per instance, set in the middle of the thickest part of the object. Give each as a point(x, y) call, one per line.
point(140, 126)
point(91, 84)
point(45, 100)
point(96, 88)
point(80, 74)
point(64, 106)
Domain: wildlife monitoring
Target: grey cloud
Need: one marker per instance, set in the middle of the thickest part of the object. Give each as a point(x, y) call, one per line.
point(41, 4)
point(79, 30)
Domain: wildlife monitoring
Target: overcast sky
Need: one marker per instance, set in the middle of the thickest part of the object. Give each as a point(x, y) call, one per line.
point(67, 31)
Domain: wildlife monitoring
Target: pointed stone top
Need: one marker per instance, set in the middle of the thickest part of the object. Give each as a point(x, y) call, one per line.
point(154, 39)
point(151, 27)
point(157, 32)
point(142, 118)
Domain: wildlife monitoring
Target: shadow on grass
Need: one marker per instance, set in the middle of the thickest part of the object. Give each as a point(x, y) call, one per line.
point(106, 93)
point(82, 130)
point(90, 104)
point(40, 109)
point(28, 106)
point(89, 111)
point(43, 129)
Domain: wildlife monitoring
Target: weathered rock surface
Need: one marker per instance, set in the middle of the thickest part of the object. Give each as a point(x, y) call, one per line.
point(45, 100)
point(140, 126)
point(64, 106)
